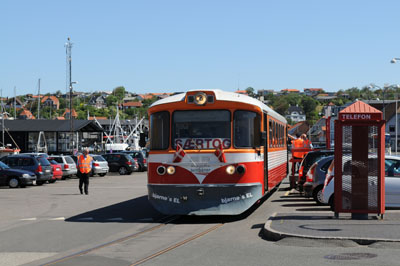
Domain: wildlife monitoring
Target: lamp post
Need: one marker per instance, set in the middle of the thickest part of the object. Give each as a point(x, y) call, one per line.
point(385, 87)
point(393, 61)
point(384, 90)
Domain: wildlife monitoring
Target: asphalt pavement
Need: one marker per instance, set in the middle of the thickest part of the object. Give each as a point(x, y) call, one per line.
point(322, 223)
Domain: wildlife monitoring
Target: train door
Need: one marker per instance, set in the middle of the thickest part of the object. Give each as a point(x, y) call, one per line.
point(266, 153)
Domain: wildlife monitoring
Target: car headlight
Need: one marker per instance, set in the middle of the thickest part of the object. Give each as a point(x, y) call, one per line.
point(26, 176)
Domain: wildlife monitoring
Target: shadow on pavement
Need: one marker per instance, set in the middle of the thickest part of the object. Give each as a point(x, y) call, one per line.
point(137, 210)
point(293, 200)
point(327, 208)
point(300, 204)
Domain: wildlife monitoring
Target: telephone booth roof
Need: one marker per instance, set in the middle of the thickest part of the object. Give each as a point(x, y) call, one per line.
point(360, 111)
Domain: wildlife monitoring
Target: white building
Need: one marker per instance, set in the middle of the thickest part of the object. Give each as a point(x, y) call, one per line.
point(296, 114)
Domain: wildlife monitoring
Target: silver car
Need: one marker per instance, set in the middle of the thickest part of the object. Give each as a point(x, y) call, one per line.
point(315, 179)
point(100, 165)
point(68, 165)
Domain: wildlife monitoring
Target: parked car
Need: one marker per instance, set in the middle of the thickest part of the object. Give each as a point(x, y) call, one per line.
point(45, 155)
point(141, 159)
point(33, 163)
point(392, 183)
point(57, 171)
point(315, 179)
point(68, 165)
point(14, 177)
point(121, 162)
point(307, 162)
point(100, 165)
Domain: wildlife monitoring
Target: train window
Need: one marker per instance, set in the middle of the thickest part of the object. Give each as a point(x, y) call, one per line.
point(246, 129)
point(159, 131)
point(270, 133)
point(201, 129)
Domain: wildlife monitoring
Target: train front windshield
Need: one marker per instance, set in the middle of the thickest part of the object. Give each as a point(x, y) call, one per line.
point(205, 129)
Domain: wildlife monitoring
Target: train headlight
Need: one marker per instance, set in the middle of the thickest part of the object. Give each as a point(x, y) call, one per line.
point(230, 170)
point(241, 169)
point(171, 170)
point(200, 98)
point(161, 170)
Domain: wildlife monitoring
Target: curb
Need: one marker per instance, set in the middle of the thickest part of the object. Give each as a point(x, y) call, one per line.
point(274, 235)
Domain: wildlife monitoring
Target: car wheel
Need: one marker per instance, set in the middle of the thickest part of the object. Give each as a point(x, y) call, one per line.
point(13, 182)
point(318, 196)
point(52, 181)
point(102, 174)
point(122, 170)
point(140, 169)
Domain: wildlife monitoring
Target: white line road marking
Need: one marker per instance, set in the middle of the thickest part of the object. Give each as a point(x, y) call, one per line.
point(28, 219)
point(19, 258)
point(57, 219)
point(287, 193)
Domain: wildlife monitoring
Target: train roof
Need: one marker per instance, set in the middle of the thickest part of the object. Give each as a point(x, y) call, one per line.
point(225, 96)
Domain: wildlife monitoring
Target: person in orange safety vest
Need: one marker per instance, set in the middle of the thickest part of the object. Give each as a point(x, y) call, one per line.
point(298, 143)
point(307, 142)
point(85, 162)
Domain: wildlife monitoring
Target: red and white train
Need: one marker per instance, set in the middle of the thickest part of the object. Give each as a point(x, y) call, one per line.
point(213, 153)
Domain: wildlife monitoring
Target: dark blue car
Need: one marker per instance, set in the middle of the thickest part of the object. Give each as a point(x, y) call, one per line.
point(15, 178)
point(38, 165)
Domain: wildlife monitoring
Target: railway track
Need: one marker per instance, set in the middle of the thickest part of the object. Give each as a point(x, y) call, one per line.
point(163, 223)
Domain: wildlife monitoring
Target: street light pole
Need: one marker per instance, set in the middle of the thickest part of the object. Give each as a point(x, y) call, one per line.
point(393, 61)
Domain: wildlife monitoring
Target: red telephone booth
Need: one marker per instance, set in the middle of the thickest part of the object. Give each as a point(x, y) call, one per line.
point(360, 160)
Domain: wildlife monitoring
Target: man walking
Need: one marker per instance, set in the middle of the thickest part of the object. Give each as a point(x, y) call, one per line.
point(84, 169)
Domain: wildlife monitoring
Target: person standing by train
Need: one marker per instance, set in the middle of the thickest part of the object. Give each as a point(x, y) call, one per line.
point(307, 142)
point(297, 143)
point(85, 162)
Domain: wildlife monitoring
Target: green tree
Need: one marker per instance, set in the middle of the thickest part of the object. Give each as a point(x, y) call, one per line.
point(281, 105)
point(250, 92)
point(119, 92)
point(147, 102)
point(111, 100)
point(354, 93)
point(309, 105)
point(63, 103)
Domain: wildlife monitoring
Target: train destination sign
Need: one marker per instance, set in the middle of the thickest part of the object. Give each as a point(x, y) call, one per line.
point(203, 143)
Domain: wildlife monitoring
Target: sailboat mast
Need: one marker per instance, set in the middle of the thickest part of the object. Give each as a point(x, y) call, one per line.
point(38, 106)
point(15, 102)
point(2, 118)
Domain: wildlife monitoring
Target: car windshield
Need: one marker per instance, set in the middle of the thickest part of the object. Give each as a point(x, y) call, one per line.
point(98, 158)
point(128, 157)
point(69, 160)
point(205, 129)
point(4, 166)
point(43, 161)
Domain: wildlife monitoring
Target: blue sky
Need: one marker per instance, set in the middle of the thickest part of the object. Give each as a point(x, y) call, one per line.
point(167, 46)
